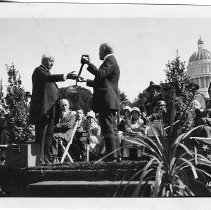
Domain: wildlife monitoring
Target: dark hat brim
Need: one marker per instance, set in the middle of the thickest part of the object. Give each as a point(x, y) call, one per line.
point(154, 86)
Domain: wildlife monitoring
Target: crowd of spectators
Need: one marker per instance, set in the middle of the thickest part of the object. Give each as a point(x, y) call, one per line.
point(132, 121)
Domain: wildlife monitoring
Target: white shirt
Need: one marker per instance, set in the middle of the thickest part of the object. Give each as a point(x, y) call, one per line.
point(107, 56)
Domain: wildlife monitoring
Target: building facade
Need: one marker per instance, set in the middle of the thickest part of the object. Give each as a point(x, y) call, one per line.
point(199, 68)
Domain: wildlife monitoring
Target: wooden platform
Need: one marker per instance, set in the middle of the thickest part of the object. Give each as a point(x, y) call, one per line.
point(80, 188)
point(82, 179)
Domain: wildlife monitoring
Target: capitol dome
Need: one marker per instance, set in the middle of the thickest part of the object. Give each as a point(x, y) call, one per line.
point(199, 68)
point(201, 54)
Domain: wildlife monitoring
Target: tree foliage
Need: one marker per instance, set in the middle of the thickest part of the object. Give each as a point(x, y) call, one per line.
point(179, 92)
point(123, 99)
point(18, 118)
point(140, 101)
point(77, 96)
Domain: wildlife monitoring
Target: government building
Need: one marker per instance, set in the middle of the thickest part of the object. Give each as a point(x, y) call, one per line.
point(199, 68)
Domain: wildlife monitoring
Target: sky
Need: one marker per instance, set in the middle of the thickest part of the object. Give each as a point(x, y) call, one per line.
point(144, 39)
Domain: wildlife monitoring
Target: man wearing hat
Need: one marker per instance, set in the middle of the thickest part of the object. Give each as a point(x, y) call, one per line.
point(43, 101)
point(153, 92)
point(105, 99)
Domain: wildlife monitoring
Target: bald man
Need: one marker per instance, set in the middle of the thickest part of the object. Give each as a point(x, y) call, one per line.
point(42, 108)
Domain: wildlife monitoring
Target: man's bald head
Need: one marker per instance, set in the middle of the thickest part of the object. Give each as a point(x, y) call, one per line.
point(47, 60)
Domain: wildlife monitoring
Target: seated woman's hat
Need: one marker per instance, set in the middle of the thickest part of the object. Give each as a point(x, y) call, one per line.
point(91, 114)
point(136, 109)
point(127, 108)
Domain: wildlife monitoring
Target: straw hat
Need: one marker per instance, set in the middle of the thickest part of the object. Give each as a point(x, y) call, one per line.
point(136, 109)
point(126, 108)
point(91, 114)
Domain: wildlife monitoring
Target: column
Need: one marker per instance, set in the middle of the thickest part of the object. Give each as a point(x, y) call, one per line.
point(207, 83)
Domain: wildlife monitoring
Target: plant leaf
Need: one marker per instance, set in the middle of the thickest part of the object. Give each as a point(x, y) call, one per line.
point(158, 178)
point(192, 167)
point(144, 173)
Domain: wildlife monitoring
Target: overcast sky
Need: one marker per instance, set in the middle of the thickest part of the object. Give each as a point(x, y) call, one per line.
point(144, 38)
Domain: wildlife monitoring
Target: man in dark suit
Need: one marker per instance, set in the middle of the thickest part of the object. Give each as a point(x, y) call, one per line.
point(42, 107)
point(63, 129)
point(106, 97)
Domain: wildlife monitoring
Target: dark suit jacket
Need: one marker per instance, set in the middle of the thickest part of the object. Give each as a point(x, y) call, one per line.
point(105, 85)
point(44, 92)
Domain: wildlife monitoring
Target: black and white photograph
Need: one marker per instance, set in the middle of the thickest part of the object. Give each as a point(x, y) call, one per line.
point(105, 101)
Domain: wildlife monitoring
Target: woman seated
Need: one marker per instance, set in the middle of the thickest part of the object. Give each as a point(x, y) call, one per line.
point(94, 130)
point(81, 137)
point(125, 119)
point(135, 126)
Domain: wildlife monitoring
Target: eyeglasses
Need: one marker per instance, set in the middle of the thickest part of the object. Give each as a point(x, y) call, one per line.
point(161, 105)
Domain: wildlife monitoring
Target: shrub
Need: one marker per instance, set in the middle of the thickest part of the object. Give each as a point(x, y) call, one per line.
point(18, 118)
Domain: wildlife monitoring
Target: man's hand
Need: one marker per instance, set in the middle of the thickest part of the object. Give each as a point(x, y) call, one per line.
point(81, 79)
point(85, 59)
point(72, 75)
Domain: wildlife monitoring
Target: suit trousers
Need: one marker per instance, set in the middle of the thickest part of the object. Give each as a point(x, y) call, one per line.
point(44, 134)
point(109, 131)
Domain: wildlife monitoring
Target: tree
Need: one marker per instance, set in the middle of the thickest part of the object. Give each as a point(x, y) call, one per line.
point(77, 96)
point(179, 92)
point(140, 100)
point(123, 99)
point(1, 89)
point(18, 118)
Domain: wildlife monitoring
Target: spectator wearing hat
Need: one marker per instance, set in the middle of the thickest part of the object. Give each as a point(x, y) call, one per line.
point(153, 95)
point(135, 126)
point(94, 131)
point(125, 119)
point(136, 123)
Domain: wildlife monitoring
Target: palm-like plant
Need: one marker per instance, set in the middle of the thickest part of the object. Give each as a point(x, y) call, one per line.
point(170, 166)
